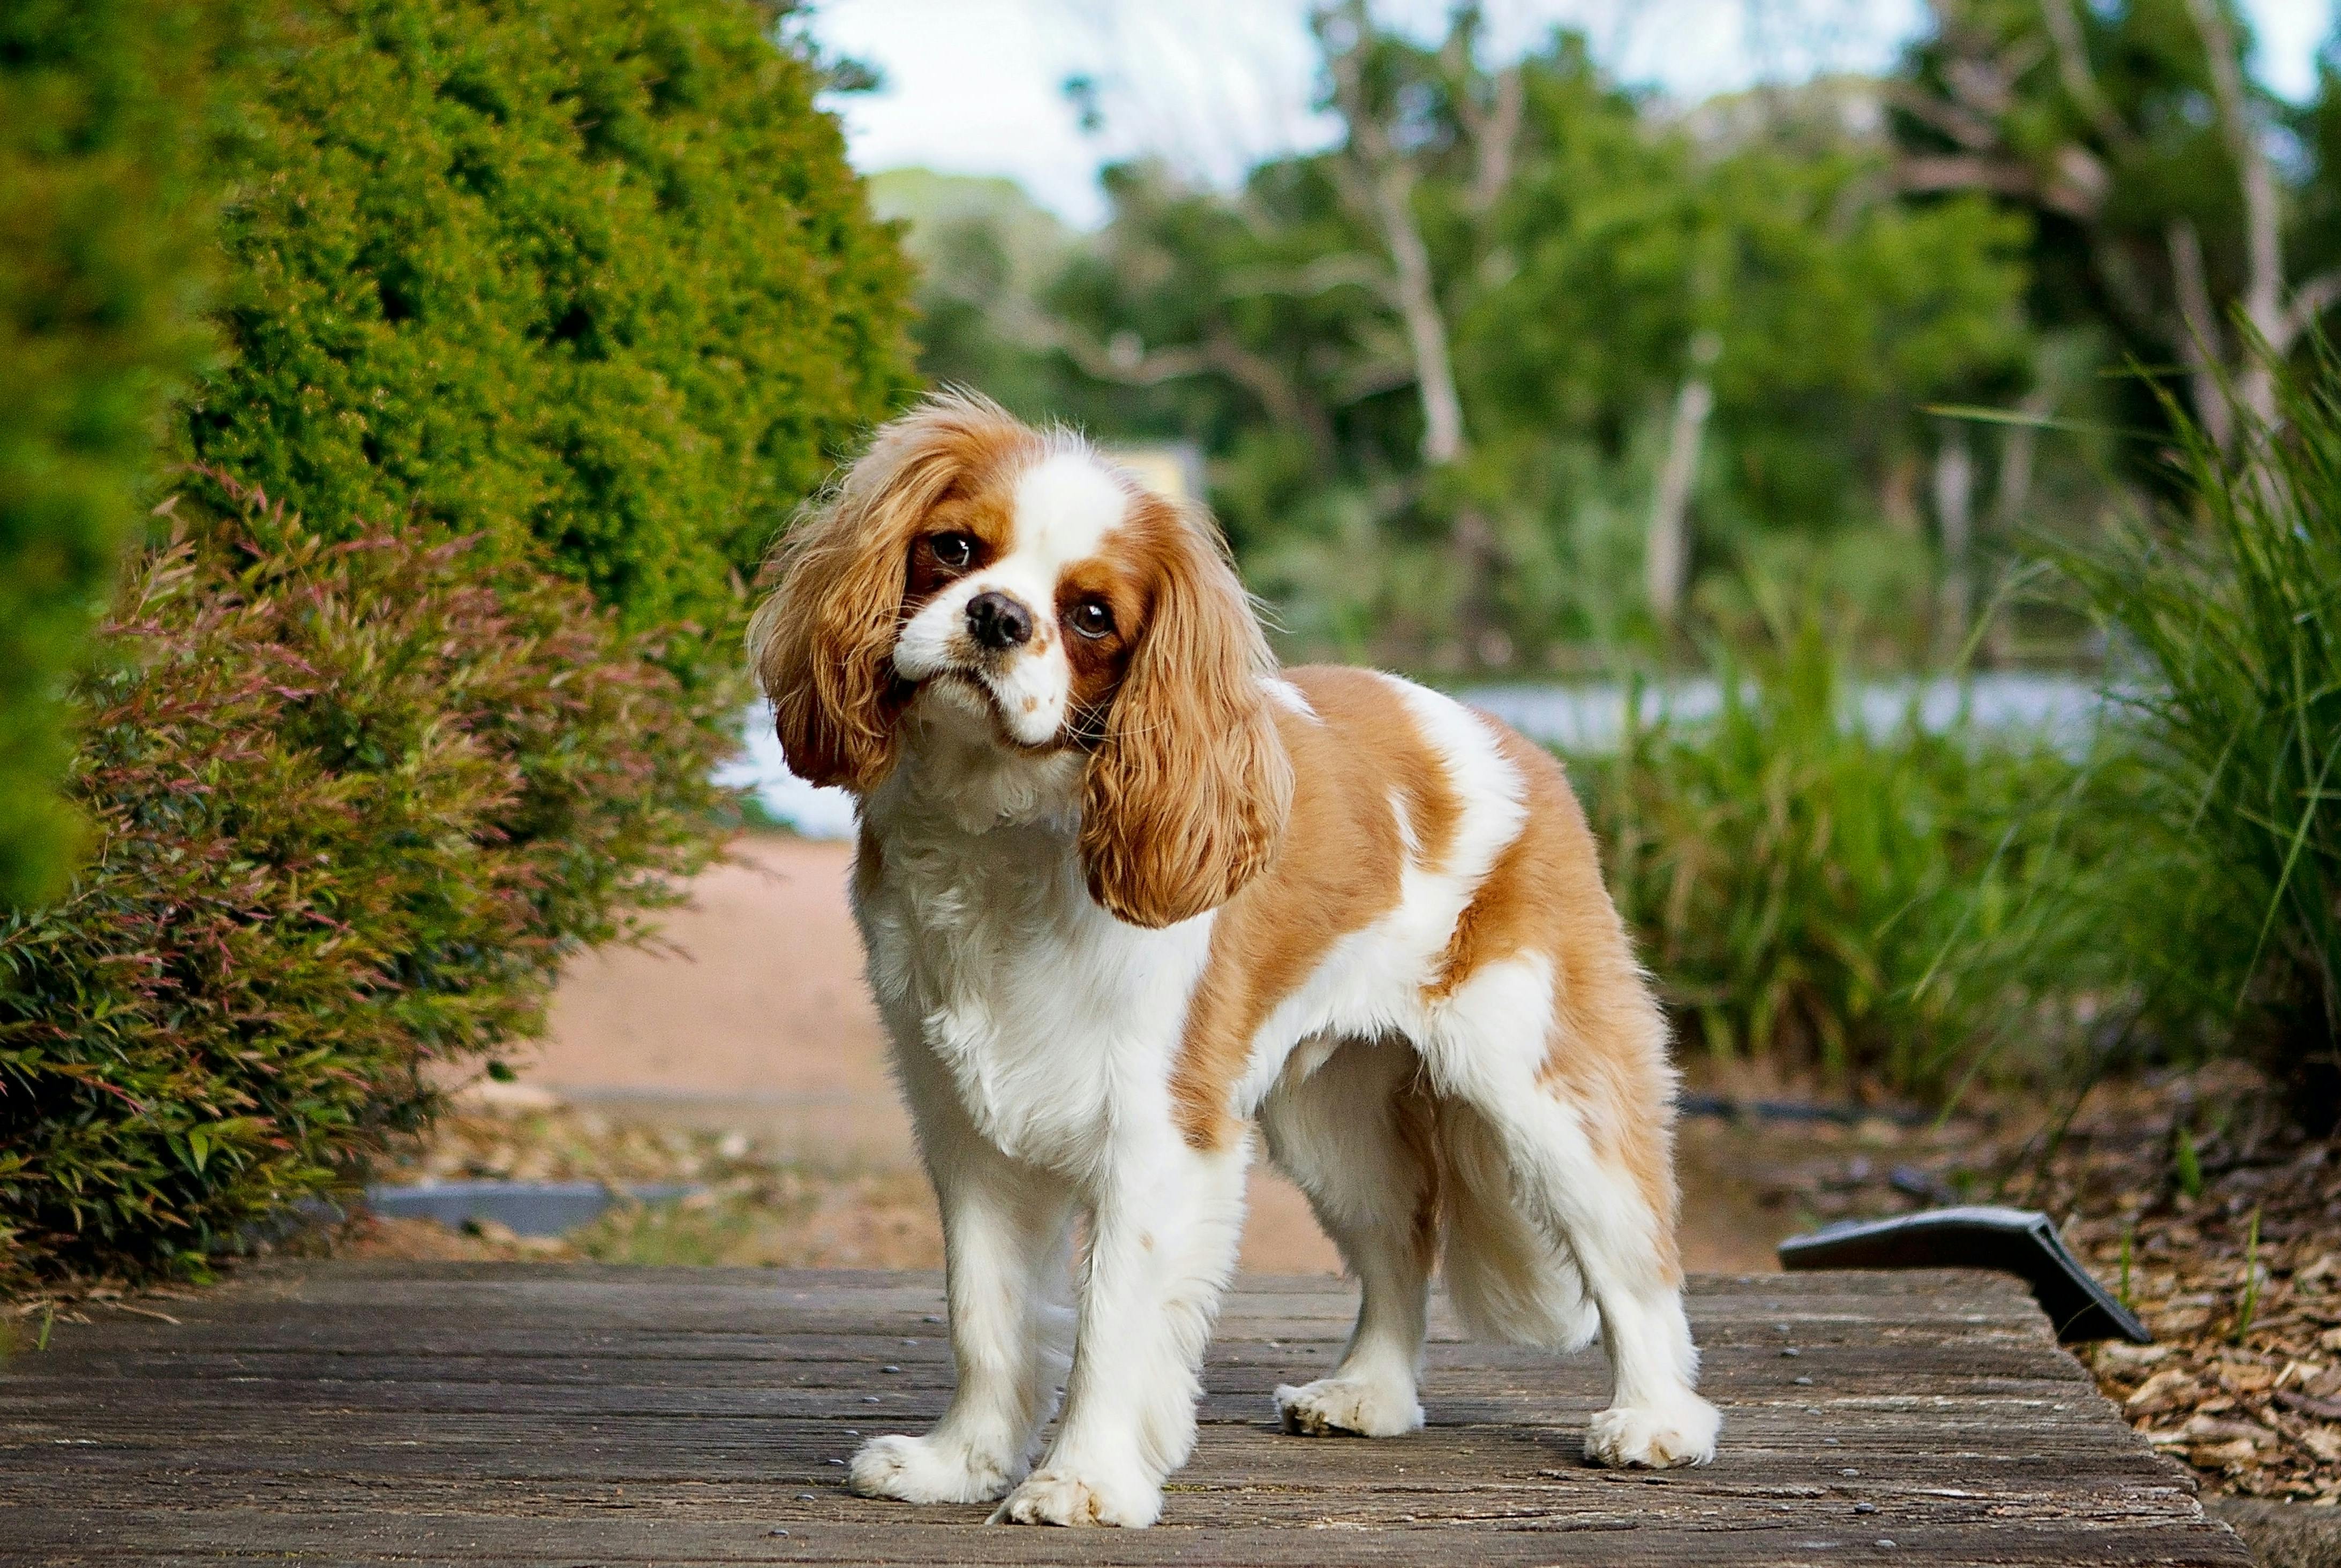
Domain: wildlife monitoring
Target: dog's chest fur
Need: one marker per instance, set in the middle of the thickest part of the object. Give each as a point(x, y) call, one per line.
point(1055, 1022)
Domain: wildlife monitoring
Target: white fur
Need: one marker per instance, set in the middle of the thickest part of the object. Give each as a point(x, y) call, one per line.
point(1066, 508)
point(1289, 697)
point(1035, 1037)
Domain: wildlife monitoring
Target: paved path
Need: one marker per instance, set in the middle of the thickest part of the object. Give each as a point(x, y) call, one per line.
point(562, 1414)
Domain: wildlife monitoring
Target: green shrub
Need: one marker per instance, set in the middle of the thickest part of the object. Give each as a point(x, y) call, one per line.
point(353, 809)
point(1860, 907)
point(593, 279)
point(2230, 805)
point(97, 311)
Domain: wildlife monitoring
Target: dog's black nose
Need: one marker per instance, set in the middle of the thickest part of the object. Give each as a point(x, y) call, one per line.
point(998, 622)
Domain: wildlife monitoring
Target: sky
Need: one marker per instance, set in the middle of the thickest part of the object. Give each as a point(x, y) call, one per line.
point(976, 86)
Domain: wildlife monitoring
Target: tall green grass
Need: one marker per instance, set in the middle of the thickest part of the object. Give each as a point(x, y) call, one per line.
point(1856, 906)
point(1916, 911)
point(2224, 618)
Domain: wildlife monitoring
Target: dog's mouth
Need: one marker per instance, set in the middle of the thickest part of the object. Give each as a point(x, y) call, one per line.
point(969, 686)
point(971, 691)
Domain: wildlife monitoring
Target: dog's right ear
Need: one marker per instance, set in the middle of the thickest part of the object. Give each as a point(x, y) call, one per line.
point(822, 644)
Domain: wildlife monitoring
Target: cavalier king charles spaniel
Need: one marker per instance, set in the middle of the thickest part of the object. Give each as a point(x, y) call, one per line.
point(1129, 891)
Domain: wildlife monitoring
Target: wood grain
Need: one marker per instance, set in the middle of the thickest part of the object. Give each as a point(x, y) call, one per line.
point(470, 1413)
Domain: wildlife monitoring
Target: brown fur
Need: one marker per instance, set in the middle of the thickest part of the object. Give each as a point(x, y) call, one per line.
point(1188, 791)
point(1336, 872)
point(822, 644)
point(1606, 1055)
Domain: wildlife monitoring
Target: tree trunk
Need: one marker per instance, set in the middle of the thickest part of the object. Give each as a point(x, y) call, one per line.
point(2263, 299)
point(1418, 308)
point(1665, 558)
point(1379, 179)
point(2199, 339)
point(2011, 500)
point(1955, 516)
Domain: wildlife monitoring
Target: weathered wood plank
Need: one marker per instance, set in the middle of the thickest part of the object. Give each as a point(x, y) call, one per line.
point(464, 1414)
point(1614, 1533)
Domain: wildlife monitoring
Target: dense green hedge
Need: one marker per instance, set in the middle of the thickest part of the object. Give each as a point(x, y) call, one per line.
point(542, 317)
point(593, 274)
point(355, 807)
point(98, 155)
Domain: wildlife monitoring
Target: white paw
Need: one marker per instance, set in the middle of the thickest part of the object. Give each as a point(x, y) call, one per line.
point(920, 1470)
point(1355, 1406)
point(1052, 1495)
point(1654, 1436)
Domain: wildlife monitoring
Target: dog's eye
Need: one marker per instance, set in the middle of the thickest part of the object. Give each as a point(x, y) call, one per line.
point(1091, 617)
point(952, 550)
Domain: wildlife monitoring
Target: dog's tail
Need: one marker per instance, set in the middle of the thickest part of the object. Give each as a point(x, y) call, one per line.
point(1506, 1277)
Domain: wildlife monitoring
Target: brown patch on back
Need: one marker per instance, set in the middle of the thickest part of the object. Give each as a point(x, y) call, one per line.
point(1607, 1054)
point(1336, 871)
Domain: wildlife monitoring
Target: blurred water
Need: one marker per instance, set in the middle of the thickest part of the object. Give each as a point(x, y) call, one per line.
point(1588, 717)
point(1592, 717)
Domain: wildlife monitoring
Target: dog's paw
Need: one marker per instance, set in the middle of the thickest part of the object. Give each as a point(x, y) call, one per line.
point(920, 1470)
point(1053, 1495)
point(1350, 1406)
point(1654, 1436)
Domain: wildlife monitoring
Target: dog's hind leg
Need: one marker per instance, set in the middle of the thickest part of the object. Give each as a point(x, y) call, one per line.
point(1575, 1091)
point(1355, 1136)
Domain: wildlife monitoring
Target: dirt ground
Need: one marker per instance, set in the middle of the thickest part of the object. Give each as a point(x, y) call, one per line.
point(753, 1017)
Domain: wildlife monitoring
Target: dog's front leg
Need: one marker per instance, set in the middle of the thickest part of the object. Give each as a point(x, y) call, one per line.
point(1161, 1248)
point(1006, 1228)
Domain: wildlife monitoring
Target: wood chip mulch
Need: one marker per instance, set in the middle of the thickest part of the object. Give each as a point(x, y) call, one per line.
point(2202, 1206)
point(2195, 1198)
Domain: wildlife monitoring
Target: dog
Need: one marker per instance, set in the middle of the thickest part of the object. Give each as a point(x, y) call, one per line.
point(1128, 892)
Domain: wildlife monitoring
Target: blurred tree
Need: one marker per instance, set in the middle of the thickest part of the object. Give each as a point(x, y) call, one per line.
point(1749, 278)
point(1520, 357)
point(2181, 207)
point(984, 253)
point(101, 256)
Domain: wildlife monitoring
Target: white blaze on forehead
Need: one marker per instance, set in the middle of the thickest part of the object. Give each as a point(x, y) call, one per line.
point(1066, 505)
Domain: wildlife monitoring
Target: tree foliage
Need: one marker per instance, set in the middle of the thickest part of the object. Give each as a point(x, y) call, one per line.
point(99, 253)
point(1587, 254)
point(592, 279)
point(2181, 209)
point(355, 805)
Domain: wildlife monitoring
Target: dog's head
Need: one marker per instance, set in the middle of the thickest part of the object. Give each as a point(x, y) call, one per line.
point(973, 559)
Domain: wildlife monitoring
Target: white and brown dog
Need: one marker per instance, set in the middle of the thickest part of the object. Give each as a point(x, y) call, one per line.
point(1128, 890)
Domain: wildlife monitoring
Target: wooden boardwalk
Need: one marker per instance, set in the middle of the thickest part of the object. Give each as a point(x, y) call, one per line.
point(565, 1415)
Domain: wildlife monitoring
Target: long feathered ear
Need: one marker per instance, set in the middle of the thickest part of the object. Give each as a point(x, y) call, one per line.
point(1186, 799)
point(822, 644)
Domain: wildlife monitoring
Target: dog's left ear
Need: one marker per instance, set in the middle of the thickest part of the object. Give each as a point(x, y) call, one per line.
point(1186, 796)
